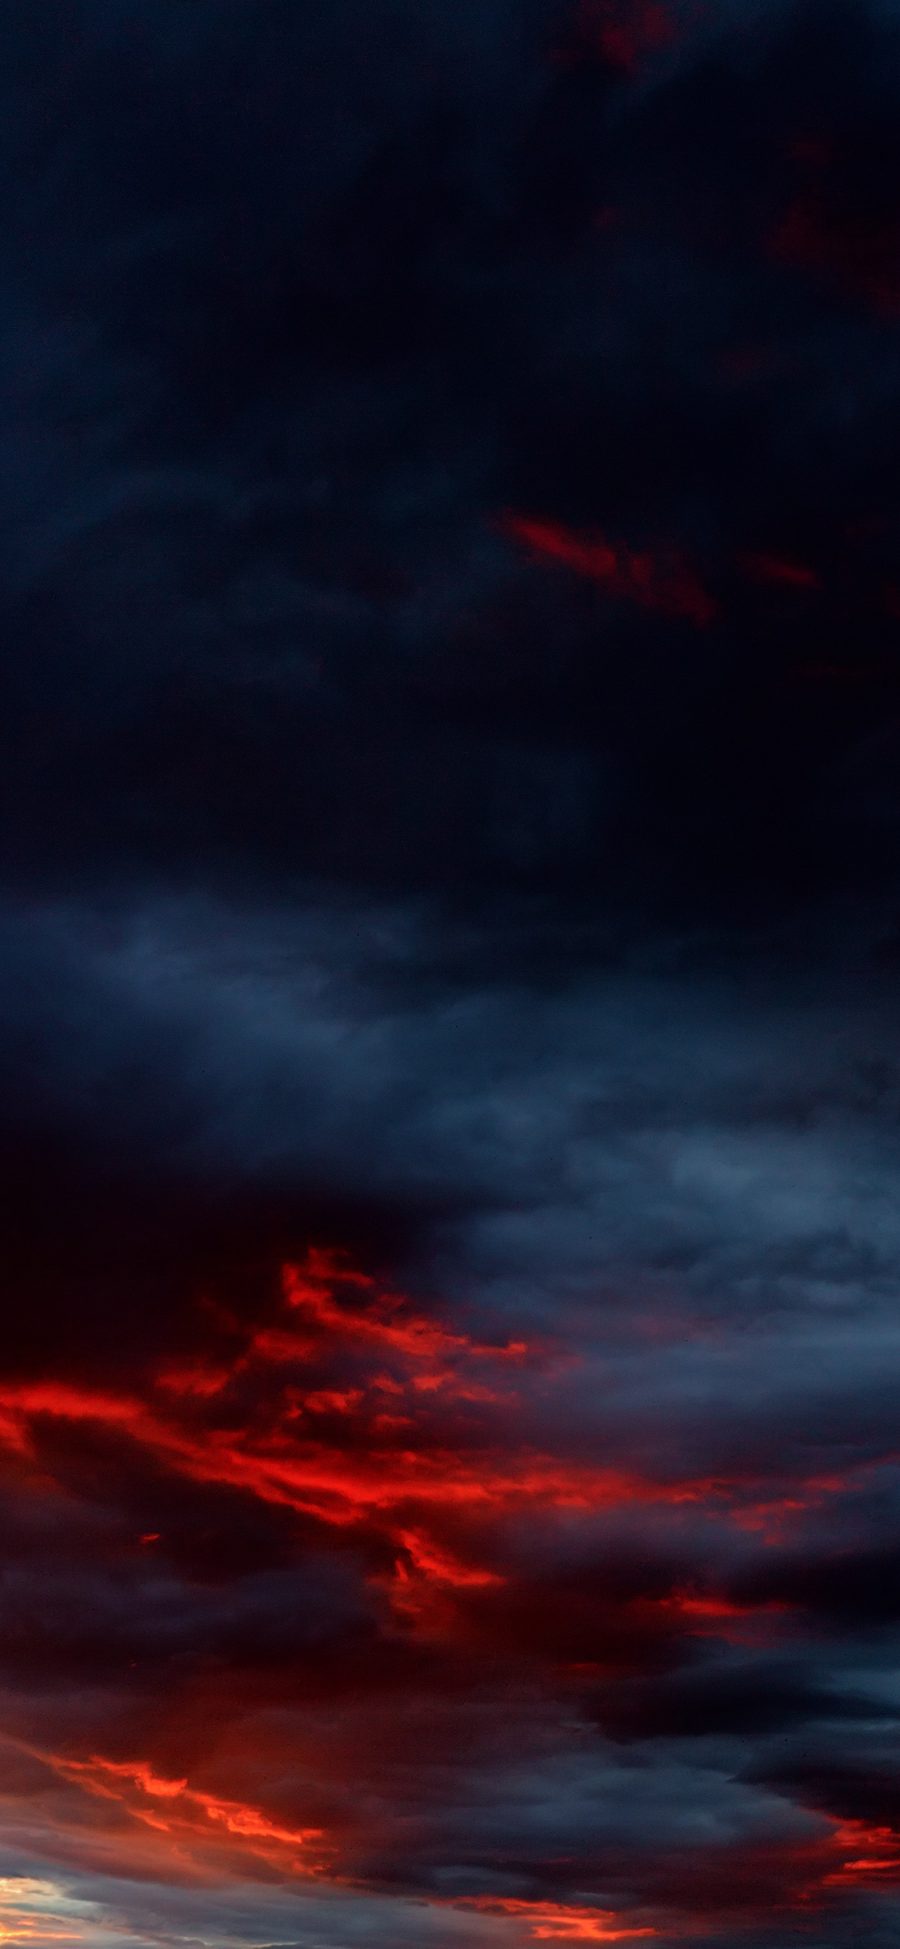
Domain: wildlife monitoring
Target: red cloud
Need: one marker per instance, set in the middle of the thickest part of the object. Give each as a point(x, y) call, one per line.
point(652, 579)
point(185, 1814)
point(388, 1434)
point(559, 1922)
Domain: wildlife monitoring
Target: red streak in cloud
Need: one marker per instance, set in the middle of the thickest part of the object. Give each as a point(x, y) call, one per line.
point(873, 1854)
point(718, 1617)
point(31, 1929)
point(310, 1290)
point(332, 1400)
point(194, 1378)
point(190, 1813)
point(772, 1515)
point(774, 568)
point(277, 1463)
point(559, 1922)
point(69, 1403)
point(661, 581)
point(426, 1578)
point(326, 1455)
point(441, 1565)
point(323, 1268)
point(19, 1926)
point(137, 1772)
point(312, 1476)
point(715, 1608)
point(320, 1481)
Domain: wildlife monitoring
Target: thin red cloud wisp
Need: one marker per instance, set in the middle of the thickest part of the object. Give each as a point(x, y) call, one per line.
point(562, 1922)
point(657, 579)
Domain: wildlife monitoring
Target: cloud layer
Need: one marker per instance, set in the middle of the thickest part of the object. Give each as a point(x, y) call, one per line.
point(450, 586)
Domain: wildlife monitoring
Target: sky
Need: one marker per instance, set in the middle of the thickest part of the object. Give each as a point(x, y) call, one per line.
point(449, 941)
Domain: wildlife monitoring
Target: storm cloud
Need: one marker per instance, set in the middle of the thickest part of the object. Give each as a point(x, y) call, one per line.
point(449, 585)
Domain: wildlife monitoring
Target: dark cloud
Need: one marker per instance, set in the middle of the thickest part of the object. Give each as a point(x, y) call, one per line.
point(449, 583)
point(847, 1587)
point(730, 1699)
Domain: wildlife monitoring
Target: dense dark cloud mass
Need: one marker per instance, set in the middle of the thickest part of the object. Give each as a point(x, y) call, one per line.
point(449, 933)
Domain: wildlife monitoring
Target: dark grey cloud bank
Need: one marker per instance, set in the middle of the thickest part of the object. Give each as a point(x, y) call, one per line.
point(372, 878)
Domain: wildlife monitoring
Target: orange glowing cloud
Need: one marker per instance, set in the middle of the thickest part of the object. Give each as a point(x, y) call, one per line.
point(29, 1912)
point(558, 1922)
point(31, 1928)
point(185, 1813)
